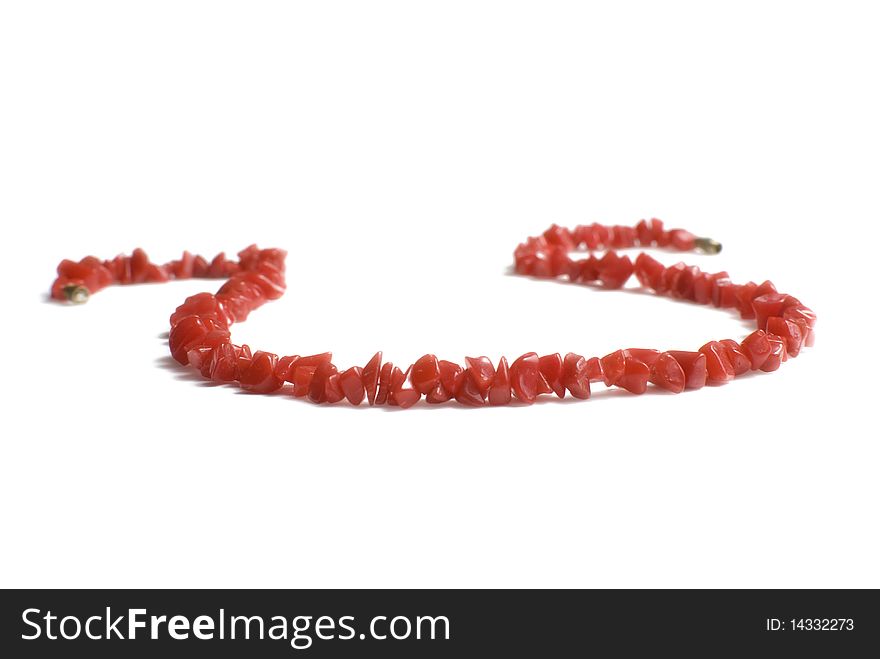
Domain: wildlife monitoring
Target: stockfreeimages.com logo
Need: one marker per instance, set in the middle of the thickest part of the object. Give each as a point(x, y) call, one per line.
point(299, 631)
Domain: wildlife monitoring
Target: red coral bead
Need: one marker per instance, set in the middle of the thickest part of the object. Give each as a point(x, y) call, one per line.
point(646, 355)
point(777, 353)
point(668, 374)
point(614, 269)
point(684, 285)
point(224, 363)
point(736, 356)
point(681, 239)
point(800, 312)
point(764, 288)
point(192, 332)
point(426, 374)
point(757, 348)
point(594, 370)
point(260, 377)
point(635, 376)
point(333, 391)
point(384, 383)
point(575, 376)
point(482, 373)
point(744, 297)
point(402, 392)
point(789, 331)
point(467, 389)
point(771, 304)
point(551, 368)
point(318, 383)
point(449, 372)
point(649, 271)
point(694, 366)
point(445, 389)
point(200, 359)
point(718, 366)
point(499, 392)
point(285, 367)
point(526, 379)
point(302, 380)
point(586, 270)
point(371, 377)
point(352, 384)
point(643, 233)
point(613, 366)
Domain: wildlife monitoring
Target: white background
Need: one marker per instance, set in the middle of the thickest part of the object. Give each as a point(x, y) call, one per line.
point(400, 151)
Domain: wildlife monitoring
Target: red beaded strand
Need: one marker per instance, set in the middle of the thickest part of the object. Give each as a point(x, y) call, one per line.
point(200, 334)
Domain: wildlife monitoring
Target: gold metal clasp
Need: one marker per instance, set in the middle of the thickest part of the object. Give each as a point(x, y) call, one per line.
point(707, 245)
point(76, 293)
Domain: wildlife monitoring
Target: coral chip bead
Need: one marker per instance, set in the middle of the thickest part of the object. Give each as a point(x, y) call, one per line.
point(445, 389)
point(285, 367)
point(302, 380)
point(499, 392)
point(649, 271)
point(384, 383)
point(771, 304)
point(224, 364)
point(426, 374)
point(400, 394)
point(352, 384)
point(614, 269)
point(800, 312)
point(333, 391)
point(737, 358)
point(371, 377)
point(613, 366)
point(681, 239)
point(777, 353)
point(668, 374)
point(467, 389)
point(406, 398)
point(635, 376)
point(551, 367)
point(718, 366)
point(259, 377)
point(318, 383)
point(526, 380)
point(594, 370)
point(646, 355)
point(481, 372)
point(757, 348)
point(694, 366)
point(200, 359)
point(789, 331)
point(575, 376)
point(194, 332)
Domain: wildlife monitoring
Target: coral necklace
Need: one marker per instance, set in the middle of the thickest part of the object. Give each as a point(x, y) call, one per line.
point(200, 335)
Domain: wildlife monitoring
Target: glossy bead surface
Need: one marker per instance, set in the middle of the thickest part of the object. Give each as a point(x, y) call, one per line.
point(426, 373)
point(526, 380)
point(371, 377)
point(551, 369)
point(259, 377)
point(694, 366)
point(635, 376)
point(576, 376)
point(777, 353)
point(351, 383)
point(668, 374)
point(499, 392)
point(718, 367)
